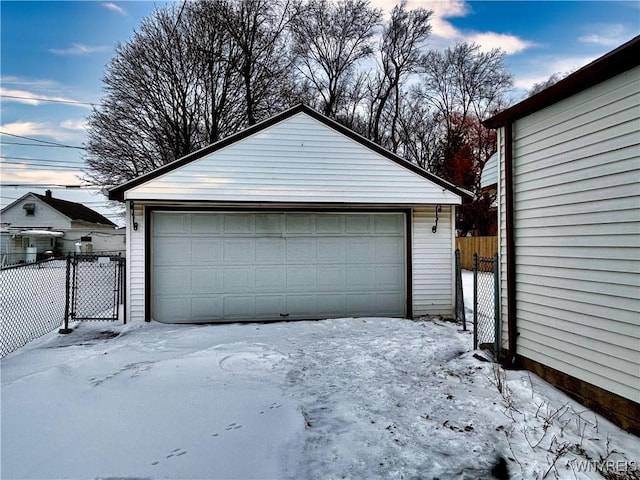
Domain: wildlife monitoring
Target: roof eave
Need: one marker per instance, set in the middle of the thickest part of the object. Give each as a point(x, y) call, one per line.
point(618, 61)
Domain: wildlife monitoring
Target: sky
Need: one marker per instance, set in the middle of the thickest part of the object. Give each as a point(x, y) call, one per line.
point(54, 55)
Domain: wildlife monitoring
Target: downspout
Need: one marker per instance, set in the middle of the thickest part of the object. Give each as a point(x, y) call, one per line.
point(511, 257)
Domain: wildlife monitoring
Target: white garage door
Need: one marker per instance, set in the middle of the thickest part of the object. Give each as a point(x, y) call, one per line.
point(266, 266)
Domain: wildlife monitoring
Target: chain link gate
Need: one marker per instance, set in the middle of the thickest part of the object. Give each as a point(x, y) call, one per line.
point(486, 304)
point(95, 288)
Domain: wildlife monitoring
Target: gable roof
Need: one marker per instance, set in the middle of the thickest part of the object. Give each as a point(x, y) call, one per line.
point(266, 128)
point(618, 61)
point(71, 210)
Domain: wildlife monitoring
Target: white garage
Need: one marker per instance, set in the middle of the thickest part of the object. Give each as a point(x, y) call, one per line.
point(273, 266)
point(294, 218)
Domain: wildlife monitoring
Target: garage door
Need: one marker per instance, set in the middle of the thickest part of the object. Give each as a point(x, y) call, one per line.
point(267, 266)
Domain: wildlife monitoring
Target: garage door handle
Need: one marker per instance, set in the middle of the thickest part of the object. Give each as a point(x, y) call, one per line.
point(284, 314)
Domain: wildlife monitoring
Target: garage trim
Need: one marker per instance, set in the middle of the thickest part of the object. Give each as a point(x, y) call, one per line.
point(149, 209)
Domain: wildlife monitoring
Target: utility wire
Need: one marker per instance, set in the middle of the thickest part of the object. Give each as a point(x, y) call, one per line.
point(46, 160)
point(36, 99)
point(37, 145)
point(38, 140)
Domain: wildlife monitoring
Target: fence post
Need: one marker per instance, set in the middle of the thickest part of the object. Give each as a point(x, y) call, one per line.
point(460, 292)
point(475, 301)
point(67, 302)
point(496, 305)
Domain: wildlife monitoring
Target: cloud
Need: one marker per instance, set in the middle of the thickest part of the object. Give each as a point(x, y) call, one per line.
point(60, 133)
point(606, 35)
point(543, 67)
point(445, 34)
point(79, 49)
point(35, 175)
point(510, 44)
point(115, 8)
point(75, 124)
point(31, 98)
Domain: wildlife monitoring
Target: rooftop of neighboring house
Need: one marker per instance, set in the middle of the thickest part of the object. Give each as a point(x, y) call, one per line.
point(74, 211)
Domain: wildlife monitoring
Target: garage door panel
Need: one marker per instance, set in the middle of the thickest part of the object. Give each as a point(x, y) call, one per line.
point(268, 223)
point(299, 223)
point(331, 250)
point(332, 278)
point(358, 224)
point(173, 281)
point(270, 279)
point(206, 224)
point(329, 225)
point(252, 266)
point(331, 305)
point(388, 277)
point(206, 308)
point(239, 250)
point(172, 251)
point(270, 250)
point(173, 223)
point(238, 224)
point(360, 278)
point(360, 250)
point(387, 303)
point(301, 306)
point(388, 250)
point(301, 279)
point(360, 303)
point(388, 224)
point(206, 250)
point(238, 280)
point(174, 308)
point(238, 307)
point(206, 280)
point(269, 307)
point(301, 250)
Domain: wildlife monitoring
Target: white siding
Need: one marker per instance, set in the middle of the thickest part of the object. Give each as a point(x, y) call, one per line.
point(297, 160)
point(43, 217)
point(433, 266)
point(577, 234)
point(135, 264)
point(502, 247)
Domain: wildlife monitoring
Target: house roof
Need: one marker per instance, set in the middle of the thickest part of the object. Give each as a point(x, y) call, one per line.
point(72, 210)
point(618, 61)
point(118, 193)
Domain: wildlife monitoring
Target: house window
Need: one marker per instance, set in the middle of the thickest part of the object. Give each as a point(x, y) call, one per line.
point(30, 209)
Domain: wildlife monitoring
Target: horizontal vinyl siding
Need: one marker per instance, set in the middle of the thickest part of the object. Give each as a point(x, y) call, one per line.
point(577, 234)
point(296, 160)
point(135, 265)
point(502, 247)
point(432, 262)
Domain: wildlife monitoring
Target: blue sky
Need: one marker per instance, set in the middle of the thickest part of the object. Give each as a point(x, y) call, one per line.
point(57, 51)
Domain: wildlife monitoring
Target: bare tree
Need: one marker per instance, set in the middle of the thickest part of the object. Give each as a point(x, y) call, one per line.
point(258, 28)
point(150, 113)
point(329, 42)
point(403, 37)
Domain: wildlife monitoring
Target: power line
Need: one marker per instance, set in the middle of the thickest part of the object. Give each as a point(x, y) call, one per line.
point(43, 166)
point(46, 160)
point(37, 145)
point(38, 140)
point(37, 99)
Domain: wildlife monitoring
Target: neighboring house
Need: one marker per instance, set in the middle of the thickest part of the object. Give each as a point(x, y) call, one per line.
point(35, 224)
point(489, 175)
point(294, 218)
point(570, 233)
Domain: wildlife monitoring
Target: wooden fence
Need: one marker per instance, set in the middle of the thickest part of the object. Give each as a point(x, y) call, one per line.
point(483, 246)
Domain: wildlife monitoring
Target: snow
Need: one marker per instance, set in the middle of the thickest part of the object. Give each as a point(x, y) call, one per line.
point(358, 398)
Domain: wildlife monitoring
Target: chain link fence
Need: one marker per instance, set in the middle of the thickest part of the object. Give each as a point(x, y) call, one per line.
point(485, 303)
point(37, 297)
point(32, 301)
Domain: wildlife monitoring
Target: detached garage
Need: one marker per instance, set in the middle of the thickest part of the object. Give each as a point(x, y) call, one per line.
point(294, 218)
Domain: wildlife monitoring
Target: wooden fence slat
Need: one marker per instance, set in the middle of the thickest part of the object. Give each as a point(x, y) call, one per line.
point(483, 246)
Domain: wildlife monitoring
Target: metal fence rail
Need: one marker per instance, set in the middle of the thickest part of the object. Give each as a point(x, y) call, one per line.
point(32, 302)
point(485, 303)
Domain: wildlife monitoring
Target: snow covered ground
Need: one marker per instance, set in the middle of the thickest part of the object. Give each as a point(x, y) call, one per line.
point(365, 398)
